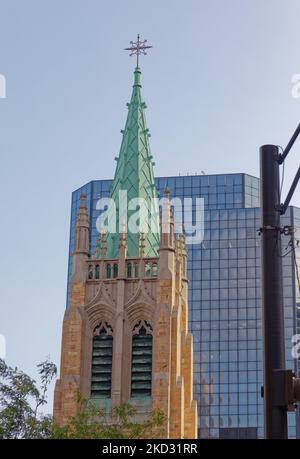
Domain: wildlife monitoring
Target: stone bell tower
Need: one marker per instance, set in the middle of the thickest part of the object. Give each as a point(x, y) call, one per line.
point(125, 333)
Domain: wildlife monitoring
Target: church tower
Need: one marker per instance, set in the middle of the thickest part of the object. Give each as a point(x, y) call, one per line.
point(125, 335)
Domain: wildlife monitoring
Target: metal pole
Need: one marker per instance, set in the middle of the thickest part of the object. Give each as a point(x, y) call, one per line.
point(275, 415)
point(289, 145)
point(284, 206)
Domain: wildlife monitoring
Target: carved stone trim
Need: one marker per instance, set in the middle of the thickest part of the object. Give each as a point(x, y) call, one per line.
point(103, 325)
point(102, 296)
point(100, 312)
point(140, 296)
point(139, 325)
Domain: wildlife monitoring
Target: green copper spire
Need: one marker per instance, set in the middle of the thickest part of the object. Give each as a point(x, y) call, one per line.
point(134, 175)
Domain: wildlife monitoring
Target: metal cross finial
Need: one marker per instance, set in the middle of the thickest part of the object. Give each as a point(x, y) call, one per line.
point(138, 47)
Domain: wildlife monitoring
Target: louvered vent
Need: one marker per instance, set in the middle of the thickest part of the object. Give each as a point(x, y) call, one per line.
point(141, 368)
point(102, 361)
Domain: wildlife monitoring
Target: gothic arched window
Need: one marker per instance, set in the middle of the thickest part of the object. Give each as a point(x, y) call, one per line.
point(102, 361)
point(108, 271)
point(90, 272)
point(136, 270)
point(147, 269)
point(115, 270)
point(141, 360)
point(97, 272)
point(154, 269)
point(129, 270)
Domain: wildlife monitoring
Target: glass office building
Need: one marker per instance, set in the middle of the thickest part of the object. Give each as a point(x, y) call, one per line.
point(225, 314)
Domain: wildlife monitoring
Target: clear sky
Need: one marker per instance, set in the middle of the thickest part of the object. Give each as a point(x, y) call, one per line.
point(217, 84)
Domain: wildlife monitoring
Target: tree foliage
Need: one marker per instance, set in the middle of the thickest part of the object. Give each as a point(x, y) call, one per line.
point(21, 399)
point(93, 423)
